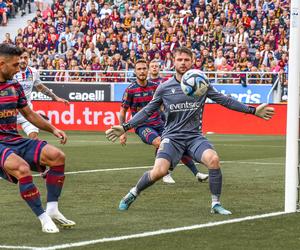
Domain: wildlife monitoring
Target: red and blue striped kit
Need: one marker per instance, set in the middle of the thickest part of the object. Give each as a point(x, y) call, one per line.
point(137, 97)
point(12, 97)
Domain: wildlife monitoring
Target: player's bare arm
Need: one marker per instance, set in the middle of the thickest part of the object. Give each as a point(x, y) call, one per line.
point(43, 124)
point(43, 89)
point(122, 119)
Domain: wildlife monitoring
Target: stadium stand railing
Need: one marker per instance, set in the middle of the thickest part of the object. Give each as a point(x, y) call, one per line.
point(215, 77)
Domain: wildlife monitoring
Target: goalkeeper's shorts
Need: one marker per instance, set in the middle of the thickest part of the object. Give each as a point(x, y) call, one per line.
point(173, 150)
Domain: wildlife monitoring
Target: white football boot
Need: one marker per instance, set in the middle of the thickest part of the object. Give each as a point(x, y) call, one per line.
point(201, 177)
point(168, 179)
point(48, 226)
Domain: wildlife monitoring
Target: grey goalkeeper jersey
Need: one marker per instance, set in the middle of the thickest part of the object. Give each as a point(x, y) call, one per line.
point(183, 113)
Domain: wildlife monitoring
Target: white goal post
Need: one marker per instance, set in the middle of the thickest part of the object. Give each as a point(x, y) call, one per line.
point(292, 135)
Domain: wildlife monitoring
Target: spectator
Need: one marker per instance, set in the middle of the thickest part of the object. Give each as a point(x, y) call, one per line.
point(62, 75)
point(92, 50)
point(168, 62)
point(219, 58)
point(152, 29)
point(3, 12)
point(7, 39)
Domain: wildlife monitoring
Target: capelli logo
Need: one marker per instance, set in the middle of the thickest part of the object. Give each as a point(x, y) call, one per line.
point(98, 95)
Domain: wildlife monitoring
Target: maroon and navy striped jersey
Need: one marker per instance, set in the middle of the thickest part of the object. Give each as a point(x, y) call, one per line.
point(158, 80)
point(12, 97)
point(137, 97)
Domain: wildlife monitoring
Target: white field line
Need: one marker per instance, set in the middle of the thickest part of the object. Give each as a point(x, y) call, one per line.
point(139, 142)
point(146, 234)
point(146, 167)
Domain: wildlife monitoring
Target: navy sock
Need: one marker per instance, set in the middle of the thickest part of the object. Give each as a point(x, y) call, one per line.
point(215, 182)
point(144, 182)
point(31, 195)
point(54, 182)
point(188, 161)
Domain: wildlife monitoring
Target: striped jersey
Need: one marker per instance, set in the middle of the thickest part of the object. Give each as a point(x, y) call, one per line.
point(28, 78)
point(158, 80)
point(12, 97)
point(136, 97)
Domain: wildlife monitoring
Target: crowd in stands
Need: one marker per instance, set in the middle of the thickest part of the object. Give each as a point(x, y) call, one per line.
point(10, 8)
point(225, 35)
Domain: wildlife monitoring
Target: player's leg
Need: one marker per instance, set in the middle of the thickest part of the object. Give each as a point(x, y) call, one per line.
point(15, 167)
point(160, 169)
point(168, 177)
point(32, 132)
point(188, 161)
point(205, 153)
point(55, 159)
point(152, 136)
point(29, 6)
point(167, 156)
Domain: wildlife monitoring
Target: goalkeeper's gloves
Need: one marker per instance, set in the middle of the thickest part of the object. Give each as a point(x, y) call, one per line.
point(115, 132)
point(263, 111)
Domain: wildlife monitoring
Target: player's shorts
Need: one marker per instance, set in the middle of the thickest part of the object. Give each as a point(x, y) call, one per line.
point(29, 150)
point(172, 150)
point(149, 134)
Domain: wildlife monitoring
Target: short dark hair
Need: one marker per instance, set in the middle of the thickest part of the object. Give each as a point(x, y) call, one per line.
point(184, 50)
point(10, 50)
point(141, 61)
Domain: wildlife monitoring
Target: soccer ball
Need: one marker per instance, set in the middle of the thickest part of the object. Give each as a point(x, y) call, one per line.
point(194, 83)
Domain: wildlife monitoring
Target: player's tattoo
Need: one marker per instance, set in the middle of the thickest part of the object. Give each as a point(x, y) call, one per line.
point(43, 89)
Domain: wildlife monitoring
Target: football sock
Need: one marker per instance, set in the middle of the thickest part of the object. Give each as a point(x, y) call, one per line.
point(54, 182)
point(144, 182)
point(215, 184)
point(52, 207)
point(188, 161)
point(31, 195)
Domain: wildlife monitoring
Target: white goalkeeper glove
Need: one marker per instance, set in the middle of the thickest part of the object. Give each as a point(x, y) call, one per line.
point(264, 111)
point(114, 133)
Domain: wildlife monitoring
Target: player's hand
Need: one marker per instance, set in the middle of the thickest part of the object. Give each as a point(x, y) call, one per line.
point(114, 133)
point(264, 111)
point(61, 135)
point(123, 139)
point(58, 99)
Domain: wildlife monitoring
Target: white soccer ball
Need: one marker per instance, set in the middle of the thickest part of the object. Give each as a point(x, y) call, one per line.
point(194, 83)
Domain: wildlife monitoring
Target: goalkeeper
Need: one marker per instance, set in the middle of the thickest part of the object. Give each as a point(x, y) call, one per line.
point(181, 133)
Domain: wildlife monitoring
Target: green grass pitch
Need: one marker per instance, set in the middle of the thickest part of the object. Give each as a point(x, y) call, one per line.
point(253, 184)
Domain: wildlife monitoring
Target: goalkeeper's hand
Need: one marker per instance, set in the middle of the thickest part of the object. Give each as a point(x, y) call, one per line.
point(264, 111)
point(114, 133)
point(123, 139)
